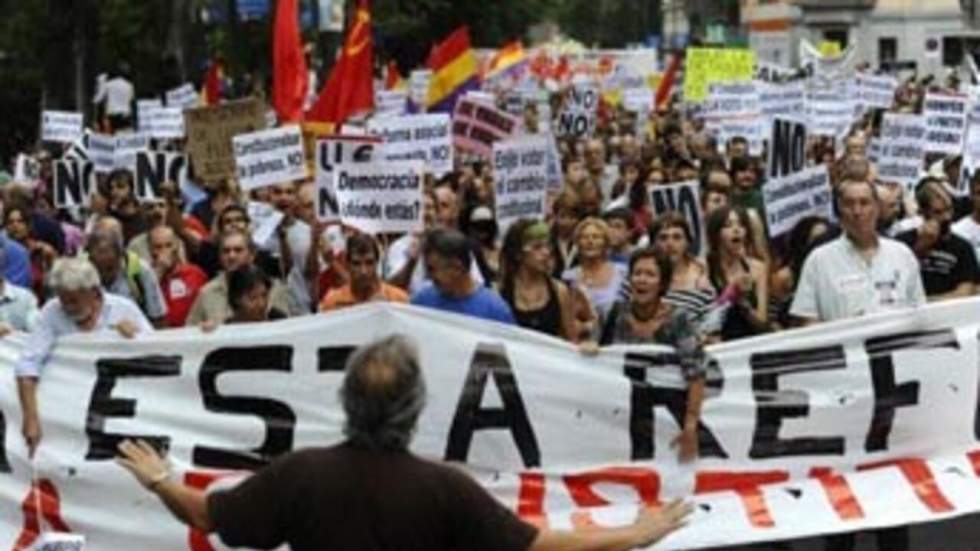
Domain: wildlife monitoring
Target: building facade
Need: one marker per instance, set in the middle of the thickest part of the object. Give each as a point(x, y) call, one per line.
point(926, 34)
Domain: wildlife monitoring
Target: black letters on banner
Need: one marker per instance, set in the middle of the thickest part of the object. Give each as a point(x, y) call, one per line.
point(787, 148)
point(72, 182)
point(279, 419)
point(491, 359)
point(333, 358)
point(154, 168)
point(775, 405)
point(888, 395)
point(644, 397)
point(4, 462)
point(102, 445)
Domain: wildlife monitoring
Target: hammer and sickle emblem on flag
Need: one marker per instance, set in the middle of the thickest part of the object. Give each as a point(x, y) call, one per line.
point(359, 34)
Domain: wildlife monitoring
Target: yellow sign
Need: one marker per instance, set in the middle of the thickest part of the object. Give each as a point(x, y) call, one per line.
point(705, 66)
point(830, 49)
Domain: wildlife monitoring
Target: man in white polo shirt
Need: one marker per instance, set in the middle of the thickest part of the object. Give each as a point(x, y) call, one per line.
point(860, 272)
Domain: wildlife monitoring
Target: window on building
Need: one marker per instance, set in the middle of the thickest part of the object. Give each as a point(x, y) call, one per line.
point(836, 35)
point(887, 50)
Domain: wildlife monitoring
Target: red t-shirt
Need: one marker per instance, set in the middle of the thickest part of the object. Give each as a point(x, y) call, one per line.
point(180, 289)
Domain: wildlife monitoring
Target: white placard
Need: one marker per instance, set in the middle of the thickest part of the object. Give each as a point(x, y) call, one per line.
point(791, 198)
point(520, 169)
point(165, 123)
point(127, 146)
point(425, 138)
point(419, 81)
point(390, 103)
point(265, 220)
point(638, 100)
point(269, 157)
point(830, 111)
point(102, 152)
point(577, 117)
point(61, 126)
point(380, 197)
point(183, 97)
point(334, 151)
point(876, 92)
point(27, 169)
point(782, 100)
point(902, 148)
point(732, 100)
point(945, 123)
point(74, 180)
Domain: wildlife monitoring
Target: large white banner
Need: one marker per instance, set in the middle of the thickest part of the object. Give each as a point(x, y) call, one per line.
point(827, 429)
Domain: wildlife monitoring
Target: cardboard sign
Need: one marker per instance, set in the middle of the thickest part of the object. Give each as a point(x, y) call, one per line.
point(520, 169)
point(945, 123)
point(782, 100)
point(683, 198)
point(152, 168)
point(183, 97)
point(61, 126)
point(210, 131)
point(333, 151)
point(705, 66)
point(577, 117)
point(477, 125)
point(165, 123)
point(876, 92)
point(419, 81)
point(270, 157)
point(902, 148)
point(791, 198)
point(27, 169)
point(102, 152)
point(732, 99)
point(426, 138)
point(390, 103)
point(787, 148)
point(74, 181)
point(383, 197)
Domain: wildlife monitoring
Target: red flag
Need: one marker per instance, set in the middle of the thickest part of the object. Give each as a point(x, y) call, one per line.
point(667, 82)
point(212, 81)
point(289, 76)
point(350, 88)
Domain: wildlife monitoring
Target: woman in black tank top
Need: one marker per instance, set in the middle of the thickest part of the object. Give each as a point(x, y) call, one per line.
point(538, 301)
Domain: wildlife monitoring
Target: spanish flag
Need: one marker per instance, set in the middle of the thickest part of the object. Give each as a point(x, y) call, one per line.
point(350, 88)
point(509, 60)
point(394, 80)
point(454, 71)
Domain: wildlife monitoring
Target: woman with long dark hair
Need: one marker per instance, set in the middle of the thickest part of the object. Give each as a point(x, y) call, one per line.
point(731, 268)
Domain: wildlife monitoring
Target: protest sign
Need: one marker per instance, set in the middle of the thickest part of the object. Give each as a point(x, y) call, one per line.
point(127, 145)
point(577, 117)
point(556, 178)
point(165, 123)
point(102, 152)
point(418, 84)
point(144, 113)
point(683, 198)
point(791, 198)
point(945, 123)
point(902, 148)
point(782, 100)
point(265, 221)
point(638, 100)
point(389, 103)
point(61, 126)
point(732, 99)
point(971, 153)
point(876, 92)
point(182, 97)
point(787, 148)
point(209, 134)
point(380, 197)
point(545, 429)
point(830, 111)
point(269, 157)
point(705, 66)
point(425, 138)
point(477, 125)
point(333, 151)
point(27, 169)
point(753, 129)
point(520, 170)
point(152, 168)
point(74, 180)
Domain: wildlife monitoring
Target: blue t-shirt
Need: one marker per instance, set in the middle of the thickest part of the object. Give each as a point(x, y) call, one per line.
point(482, 303)
point(17, 263)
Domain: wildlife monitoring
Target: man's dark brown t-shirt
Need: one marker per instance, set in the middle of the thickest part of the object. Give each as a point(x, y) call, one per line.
point(344, 499)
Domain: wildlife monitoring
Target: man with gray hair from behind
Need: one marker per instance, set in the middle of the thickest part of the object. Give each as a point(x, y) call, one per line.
point(79, 307)
point(370, 492)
